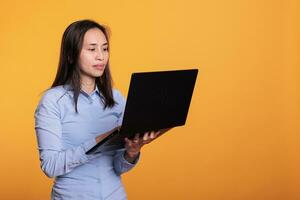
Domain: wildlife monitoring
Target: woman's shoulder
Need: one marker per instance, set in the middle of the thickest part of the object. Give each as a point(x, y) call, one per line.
point(54, 94)
point(117, 94)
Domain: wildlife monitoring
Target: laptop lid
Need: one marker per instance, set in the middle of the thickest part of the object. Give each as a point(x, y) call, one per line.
point(158, 100)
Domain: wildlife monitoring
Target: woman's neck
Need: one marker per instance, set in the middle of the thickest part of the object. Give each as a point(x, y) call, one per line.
point(87, 84)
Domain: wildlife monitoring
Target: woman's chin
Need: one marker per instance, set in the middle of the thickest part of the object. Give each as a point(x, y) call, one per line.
point(97, 74)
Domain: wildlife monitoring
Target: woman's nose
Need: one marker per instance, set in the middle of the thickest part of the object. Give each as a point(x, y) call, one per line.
point(100, 55)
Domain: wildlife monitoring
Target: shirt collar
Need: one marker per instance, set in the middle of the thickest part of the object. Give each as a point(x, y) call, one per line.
point(97, 90)
point(69, 89)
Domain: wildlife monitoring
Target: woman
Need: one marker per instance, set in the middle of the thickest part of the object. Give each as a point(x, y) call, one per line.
point(73, 114)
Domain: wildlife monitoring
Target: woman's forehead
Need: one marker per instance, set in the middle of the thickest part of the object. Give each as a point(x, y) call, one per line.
point(94, 36)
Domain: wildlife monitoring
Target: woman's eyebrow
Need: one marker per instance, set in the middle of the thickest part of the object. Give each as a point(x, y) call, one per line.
point(95, 44)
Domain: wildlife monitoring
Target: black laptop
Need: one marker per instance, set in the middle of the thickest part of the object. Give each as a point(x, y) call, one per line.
point(155, 101)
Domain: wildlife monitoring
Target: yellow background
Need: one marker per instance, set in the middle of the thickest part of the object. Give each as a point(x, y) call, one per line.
point(242, 137)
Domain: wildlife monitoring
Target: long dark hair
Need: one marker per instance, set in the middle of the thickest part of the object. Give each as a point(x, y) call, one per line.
point(68, 71)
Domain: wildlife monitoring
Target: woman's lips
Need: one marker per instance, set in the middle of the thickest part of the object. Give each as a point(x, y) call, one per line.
point(99, 66)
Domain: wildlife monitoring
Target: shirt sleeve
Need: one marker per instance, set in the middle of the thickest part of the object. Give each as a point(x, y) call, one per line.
point(121, 165)
point(121, 103)
point(55, 160)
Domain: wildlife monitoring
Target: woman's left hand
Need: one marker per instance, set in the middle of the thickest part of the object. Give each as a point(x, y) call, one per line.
point(133, 147)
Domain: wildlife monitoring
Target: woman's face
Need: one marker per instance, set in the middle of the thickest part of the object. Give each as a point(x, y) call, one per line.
point(94, 53)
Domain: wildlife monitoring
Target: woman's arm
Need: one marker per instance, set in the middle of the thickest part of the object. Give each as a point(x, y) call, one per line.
point(55, 160)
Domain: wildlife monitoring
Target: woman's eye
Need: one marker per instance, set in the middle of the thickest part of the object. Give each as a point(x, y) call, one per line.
point(92, 49)
point(105, 49)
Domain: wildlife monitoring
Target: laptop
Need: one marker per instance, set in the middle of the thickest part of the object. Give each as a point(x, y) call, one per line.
point(156, 101)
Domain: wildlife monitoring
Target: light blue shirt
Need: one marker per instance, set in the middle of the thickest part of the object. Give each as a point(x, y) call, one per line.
point(65, 136)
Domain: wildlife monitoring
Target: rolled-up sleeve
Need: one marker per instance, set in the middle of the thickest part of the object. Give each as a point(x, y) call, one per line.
point(54, 159)
point(121, 165)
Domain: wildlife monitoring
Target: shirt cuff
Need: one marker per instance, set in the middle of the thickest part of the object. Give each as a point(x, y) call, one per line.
point(129, 164)
point(87, 146)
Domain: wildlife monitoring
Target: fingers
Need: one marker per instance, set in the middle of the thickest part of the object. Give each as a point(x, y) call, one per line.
point(136, 138)
point(149, 136)
point(157, 133)
point(152, 135)
point(146, 136)
point(133, 142)
point(128, 142)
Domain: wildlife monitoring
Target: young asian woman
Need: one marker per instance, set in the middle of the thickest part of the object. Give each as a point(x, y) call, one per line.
point(73, 114)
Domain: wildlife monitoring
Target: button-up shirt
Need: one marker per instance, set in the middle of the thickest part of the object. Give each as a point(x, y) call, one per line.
point(65, 136)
